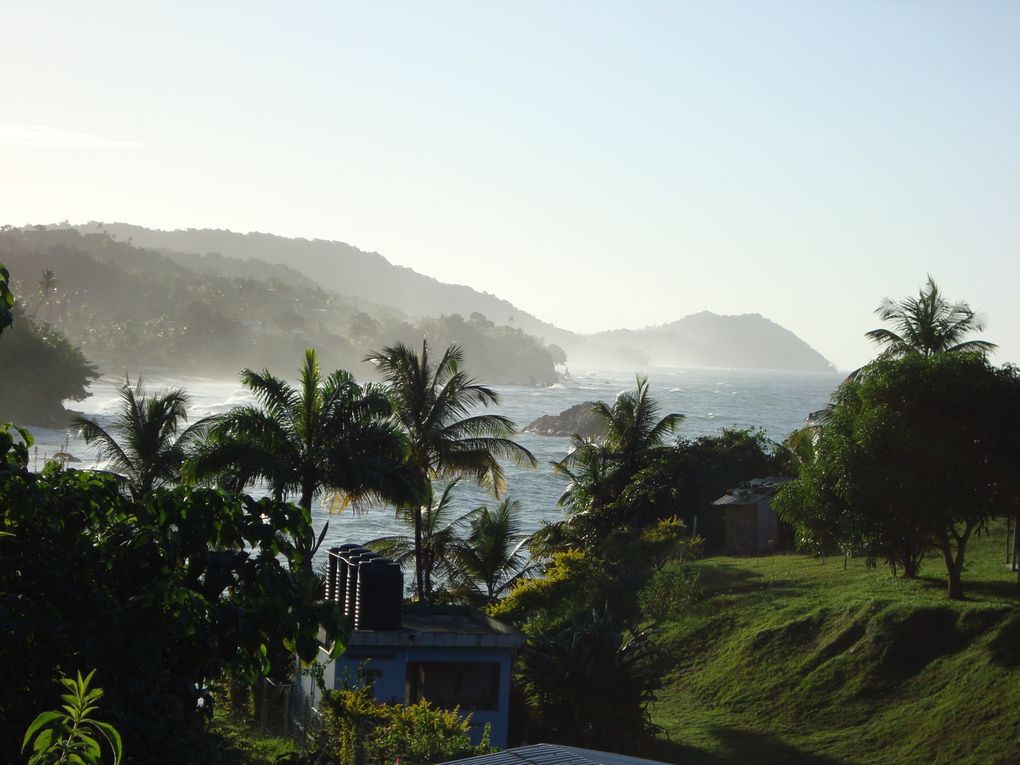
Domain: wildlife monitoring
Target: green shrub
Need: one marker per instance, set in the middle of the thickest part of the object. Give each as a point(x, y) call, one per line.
point(669, 592)
point(360, 730)
point(72, 735)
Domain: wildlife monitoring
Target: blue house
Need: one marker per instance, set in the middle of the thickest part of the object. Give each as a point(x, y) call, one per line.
point(453, 656)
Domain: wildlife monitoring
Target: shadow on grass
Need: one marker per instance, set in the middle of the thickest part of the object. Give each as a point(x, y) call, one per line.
point(727, 578)
point(740, 746)
point(1008, 592)
point(1005, 646)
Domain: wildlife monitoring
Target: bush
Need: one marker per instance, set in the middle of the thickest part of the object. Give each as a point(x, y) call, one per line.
point(669, 592)
point(360, 730)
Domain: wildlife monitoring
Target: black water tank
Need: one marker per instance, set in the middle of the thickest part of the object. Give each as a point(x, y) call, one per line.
point(354, 562)
point(380, 595)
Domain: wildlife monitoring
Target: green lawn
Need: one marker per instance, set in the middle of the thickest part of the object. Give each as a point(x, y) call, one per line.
point(790, 658)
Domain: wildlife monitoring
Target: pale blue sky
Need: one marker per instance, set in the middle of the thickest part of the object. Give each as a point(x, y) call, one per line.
point(598, 164)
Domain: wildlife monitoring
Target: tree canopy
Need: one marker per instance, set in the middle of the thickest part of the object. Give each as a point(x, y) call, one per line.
point(145, 444)
point(437, 406)
point(916, 454)
point(928, 324)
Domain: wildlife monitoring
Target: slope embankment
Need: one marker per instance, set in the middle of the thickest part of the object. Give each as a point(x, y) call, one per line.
point(793, 659)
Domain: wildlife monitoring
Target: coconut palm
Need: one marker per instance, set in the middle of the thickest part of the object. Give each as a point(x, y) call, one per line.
point(928, 324)
point(328, 434)
point(438, 537)
point(435, 401)
point(46, 286)
point(492, 556)
point(598, 469)
point(144, 444)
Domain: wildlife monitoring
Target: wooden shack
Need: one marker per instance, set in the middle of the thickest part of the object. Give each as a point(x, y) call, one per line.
point(742, 521)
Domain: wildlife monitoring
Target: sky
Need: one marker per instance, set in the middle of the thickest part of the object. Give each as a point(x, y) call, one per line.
point(598, 164)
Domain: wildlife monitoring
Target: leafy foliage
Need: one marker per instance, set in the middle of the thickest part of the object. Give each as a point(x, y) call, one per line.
point(360, 730)
point(669, 591)
point(439, 535)
point(150, 451)
point(928, 324)
point(41, 369)
point(673, 481)
point(492, 555)
point(72, 735)
point(6, 300)
point(917, 452)
point(328, 434)
point(572, 583)
point(591, 683)
point(435, 403)
point(161, 594)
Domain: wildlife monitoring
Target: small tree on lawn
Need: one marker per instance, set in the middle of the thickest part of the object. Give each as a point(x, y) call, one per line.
point(919, 452)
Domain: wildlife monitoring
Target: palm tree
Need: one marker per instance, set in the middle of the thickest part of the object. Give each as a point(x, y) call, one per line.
point(438, 538)
point(493, 554)
point(46, 286)
point(928, 324)
point(329, 434)
point(599, 469)
point(144, 444)
point(434, 404)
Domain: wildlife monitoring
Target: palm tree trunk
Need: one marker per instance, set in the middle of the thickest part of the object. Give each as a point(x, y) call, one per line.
point(419, 571)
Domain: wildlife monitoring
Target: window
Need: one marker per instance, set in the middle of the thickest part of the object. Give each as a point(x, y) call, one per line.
point(470, 685)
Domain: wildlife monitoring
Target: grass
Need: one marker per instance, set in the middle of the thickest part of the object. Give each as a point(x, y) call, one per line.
point(239, 742)
point(790, 658)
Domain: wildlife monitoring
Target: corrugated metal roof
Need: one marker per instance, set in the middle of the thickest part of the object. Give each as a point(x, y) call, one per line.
point(752, 492)
point(552, 754)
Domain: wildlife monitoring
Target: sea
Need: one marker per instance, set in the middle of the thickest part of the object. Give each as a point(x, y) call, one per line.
point(776, 402)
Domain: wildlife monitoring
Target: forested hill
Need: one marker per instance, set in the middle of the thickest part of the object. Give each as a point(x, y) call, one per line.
point(701, 340)
point(132, 309)
point(340, 267)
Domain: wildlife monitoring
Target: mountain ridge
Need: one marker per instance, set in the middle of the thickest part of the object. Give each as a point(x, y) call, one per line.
point(703, 339)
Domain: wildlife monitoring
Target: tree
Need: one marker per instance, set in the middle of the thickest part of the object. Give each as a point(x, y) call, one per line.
point(146, 444)
point(439, 532)
point(363, 328)
point(492, 556)
point(435, 402)
point(162, 595)
point(47, 285)
point(329, 434)
point(918, 453)
point(600, 469)
point(928, 324)
point(41, 369)
point(591, 683)
point(6, 300)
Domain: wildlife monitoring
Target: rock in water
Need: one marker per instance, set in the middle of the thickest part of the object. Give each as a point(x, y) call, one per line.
point(578, 419)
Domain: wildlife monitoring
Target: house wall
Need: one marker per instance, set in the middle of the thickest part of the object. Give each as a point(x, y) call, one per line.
point(768, 527)
point(741, 523)
point(386, 669)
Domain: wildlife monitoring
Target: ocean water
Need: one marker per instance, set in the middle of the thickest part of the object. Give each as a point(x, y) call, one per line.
point(709, 399)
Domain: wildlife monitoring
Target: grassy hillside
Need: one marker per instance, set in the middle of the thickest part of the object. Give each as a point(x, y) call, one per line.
point(794, 659)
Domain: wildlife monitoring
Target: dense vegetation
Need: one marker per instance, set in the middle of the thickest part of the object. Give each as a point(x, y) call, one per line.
point(160, 594)
point(168, 587)
point(41, 369)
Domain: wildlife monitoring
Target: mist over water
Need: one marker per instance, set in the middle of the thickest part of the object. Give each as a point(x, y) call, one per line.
point(709, 399)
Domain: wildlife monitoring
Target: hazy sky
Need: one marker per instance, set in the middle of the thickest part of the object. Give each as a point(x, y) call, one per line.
point(598, 164)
